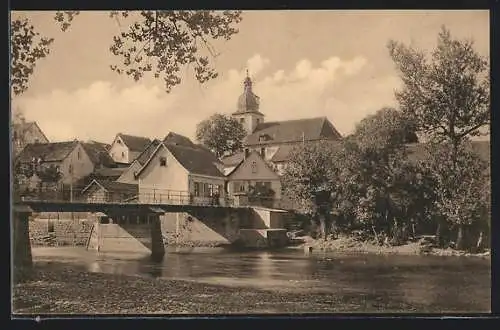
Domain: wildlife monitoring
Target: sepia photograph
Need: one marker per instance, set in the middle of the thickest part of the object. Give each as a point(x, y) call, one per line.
point(249, 162)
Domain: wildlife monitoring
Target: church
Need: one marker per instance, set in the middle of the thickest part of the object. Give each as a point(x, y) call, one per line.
point(274, 141)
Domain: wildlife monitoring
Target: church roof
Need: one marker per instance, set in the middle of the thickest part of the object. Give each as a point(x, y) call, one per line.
point(291, 131)
point(248, 101)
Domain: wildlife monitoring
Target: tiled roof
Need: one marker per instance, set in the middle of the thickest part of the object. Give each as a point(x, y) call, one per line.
point(134, 143)
point(20, 128)
point(48, 152)
point(283, 153)
point(292, 131)
point(148, 151)
point(116, 187)
point(109, 172)
point(196, 160)
point(98, 153)
point(175, 138)
point(234, 159)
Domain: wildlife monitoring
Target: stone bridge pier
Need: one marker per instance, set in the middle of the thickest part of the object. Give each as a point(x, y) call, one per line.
point(139, 231)
point(21, 246)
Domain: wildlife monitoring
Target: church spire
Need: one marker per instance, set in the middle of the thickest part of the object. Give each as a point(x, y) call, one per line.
point(247, 83)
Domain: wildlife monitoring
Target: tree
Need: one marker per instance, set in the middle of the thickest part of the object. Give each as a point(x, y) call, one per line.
point(377, 177)
point(448, 94)
point(310, 180)
point(158, 42)
point(461, 199)
point(220, 133)
point(27, 47)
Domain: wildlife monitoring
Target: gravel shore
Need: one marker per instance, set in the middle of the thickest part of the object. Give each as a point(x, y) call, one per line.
point(65, 291)
point(345, 244)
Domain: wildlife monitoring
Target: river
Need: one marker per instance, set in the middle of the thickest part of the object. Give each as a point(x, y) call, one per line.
point(441, 283)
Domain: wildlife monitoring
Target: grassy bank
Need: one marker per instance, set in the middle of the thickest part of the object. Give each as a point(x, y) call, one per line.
point(348, 244)
point(62, 290)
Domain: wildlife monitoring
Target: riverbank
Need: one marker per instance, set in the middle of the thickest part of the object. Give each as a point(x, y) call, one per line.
point(347, 244)
point(62, 289)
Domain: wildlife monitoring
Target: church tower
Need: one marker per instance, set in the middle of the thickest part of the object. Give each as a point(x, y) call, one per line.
point(248, 108)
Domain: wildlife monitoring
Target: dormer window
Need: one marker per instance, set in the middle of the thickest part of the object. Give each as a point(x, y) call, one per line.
point(163, 161)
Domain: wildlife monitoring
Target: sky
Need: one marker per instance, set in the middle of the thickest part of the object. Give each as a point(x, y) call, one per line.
point(303, 64)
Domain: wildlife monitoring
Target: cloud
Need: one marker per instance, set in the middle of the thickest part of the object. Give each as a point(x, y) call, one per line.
point(340, 89)
point(97, 111)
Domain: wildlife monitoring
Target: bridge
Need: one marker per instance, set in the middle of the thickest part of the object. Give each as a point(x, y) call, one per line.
point(119, 204)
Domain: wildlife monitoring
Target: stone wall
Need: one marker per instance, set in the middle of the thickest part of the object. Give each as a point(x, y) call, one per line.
point(60, 228)
point(209, 227)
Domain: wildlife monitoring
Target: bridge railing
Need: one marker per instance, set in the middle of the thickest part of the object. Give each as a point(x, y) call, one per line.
point(157, 196)
point(122, 196)
point(271, 202)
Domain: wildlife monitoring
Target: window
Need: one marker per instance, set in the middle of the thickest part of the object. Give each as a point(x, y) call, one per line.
point(205, 190)
point(242, 187)
point(263, 152)
point(123, 154)
point(78, 155)
point(197, 189)
point(242, 120)
point(70, 168)
point(254, 167)
point(37, 141)
point(119, 142)
point(258, 121)
point(163, 161)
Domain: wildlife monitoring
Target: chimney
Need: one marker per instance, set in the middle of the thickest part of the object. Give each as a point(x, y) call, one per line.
point(247, 153)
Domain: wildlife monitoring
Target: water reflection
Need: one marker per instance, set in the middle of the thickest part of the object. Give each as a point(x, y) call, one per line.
point(442, 282)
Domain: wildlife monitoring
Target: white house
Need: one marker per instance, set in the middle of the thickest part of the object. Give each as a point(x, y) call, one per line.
point(182, 174)
point(252, 172)
point(125, 148)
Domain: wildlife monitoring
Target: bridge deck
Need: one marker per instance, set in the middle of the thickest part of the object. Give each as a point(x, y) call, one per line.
point(169, 201)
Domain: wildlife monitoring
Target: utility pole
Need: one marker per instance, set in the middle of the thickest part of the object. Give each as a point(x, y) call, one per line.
point(71, 181)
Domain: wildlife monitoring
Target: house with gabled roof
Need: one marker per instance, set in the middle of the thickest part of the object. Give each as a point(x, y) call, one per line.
point(24, 133)
point(68, 158)
point(129, 175)
point(275, 140)
point(253, 173)
point(178, 172)
point(107, 191)
point(125, 148)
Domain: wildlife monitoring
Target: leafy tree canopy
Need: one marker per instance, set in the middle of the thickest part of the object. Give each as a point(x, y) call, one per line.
point(221, 133)
point(447, 93)
point(158, 42)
